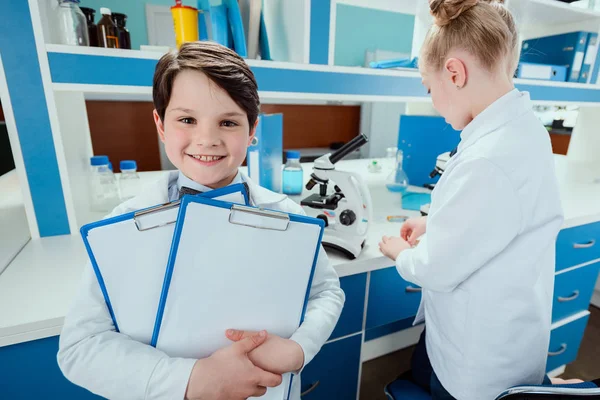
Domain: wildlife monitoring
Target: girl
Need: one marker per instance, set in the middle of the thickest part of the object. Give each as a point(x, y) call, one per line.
point(486, 257)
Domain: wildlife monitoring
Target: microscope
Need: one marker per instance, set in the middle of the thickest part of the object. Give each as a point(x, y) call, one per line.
point(440, 167)
point(347, 208)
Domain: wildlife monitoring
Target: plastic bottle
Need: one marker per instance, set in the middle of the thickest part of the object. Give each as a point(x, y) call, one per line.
point(72, 28)
point(124, 38)
point(90, 16)
point(292, 174)
point(108, 35)
point(104, 190)
point(129, 182)
point(397, 181)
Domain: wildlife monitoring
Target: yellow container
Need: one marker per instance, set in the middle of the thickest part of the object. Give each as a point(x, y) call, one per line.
point(185, 20)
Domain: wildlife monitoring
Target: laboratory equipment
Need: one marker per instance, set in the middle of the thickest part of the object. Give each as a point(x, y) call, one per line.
point(440, 167)
point(397, 180)
point(124, 38)
point(346, 210)
point(104, 190)
point(292, 174)
point(185, 23)
point(92, 28)
point(108, 35)
point(129, 181)
point(72, 28)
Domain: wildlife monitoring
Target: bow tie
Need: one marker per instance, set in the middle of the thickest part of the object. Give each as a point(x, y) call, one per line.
point(186, 190)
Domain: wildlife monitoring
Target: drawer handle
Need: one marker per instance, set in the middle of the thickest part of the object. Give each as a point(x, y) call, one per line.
point(412, 289)
point(310, 389)
point(563, 348)
point(570, 298)
point(587, 245)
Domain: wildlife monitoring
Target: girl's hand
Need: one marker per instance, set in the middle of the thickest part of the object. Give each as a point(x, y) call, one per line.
point(392, 246)
point(413, 229)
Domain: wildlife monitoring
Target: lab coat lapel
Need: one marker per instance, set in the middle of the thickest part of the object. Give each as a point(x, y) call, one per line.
point(260, 196)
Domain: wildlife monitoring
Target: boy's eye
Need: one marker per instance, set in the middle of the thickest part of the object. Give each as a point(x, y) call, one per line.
point(228, 124)
point(187, 120)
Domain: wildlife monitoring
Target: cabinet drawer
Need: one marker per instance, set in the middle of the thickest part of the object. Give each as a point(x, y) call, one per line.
point(351, 320)
point(30, 371)
point(577, 245)
point(573, 291)
point(565, 341)
point(391, 298)
point(333, 373)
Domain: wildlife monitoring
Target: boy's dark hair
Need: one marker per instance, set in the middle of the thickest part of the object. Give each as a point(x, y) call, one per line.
point(220, 64)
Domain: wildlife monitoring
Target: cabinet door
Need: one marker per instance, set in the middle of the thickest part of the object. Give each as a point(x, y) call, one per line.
point(30, 371)
point(351, 320)
point(564, 343)
point(391, 298)
point(333, 373)
point(573, 291)
point(577, 245)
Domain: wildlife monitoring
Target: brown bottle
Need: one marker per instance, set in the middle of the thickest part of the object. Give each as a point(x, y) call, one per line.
point(108, 35)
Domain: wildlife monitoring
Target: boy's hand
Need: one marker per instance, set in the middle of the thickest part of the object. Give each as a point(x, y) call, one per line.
point(413, 229)
point(392, 246)
point(228, 374)
point(275, 355)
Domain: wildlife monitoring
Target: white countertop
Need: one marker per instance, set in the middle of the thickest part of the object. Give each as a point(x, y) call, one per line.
point(38, 286)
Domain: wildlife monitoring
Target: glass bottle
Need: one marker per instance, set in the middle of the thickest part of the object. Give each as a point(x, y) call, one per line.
point(108, 35)
point(90, 16)
point(124, 38)
point(397, 181)
point(72, 28)
point(292, 174)
point(129, 182)
point(104, 190)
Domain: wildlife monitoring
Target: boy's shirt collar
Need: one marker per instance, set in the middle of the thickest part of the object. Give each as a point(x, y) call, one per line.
point(183, 180)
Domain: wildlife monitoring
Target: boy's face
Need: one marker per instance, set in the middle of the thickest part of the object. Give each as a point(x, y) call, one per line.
point(205, 132)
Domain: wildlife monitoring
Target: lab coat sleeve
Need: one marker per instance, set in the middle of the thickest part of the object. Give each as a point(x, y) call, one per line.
point(93, 355)
point(325, 303)
point(476, 216)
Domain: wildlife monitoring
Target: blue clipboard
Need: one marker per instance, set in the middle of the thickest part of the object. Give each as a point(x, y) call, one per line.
point(271, 250)
point(129, 254)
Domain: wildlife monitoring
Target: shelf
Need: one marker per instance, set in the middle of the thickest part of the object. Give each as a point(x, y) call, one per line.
point(109, 74)
point(549, 12)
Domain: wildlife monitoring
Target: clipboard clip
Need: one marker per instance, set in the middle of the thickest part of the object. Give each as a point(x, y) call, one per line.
point(164, 207)
point(255, 218)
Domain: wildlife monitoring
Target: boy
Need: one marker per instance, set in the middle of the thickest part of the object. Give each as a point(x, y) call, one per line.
point(206, 109)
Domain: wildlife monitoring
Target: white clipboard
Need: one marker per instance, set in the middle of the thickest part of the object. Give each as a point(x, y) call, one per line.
point(251, 270)
point(129, 254)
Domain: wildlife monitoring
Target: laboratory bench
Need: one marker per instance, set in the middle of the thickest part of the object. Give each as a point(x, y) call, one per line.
point(38, 286)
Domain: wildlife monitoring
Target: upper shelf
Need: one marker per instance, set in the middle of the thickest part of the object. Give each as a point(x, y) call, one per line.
point(122, 73)
point(549, 12)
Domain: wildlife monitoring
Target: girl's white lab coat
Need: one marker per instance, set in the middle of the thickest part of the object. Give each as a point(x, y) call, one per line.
point(110, 364)
point(486, 263)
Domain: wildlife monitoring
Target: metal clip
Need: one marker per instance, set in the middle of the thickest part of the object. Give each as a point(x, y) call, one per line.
point(262, 213)
point(152, 210)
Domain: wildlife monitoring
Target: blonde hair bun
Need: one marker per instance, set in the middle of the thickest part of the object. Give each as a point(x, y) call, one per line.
point(444, 11)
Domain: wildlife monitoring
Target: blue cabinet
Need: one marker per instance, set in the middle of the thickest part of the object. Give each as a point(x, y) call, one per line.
point(391, 298)
point(564, 343)
point(577, 245)
point(351, 319)
point(333, 373)
point(30, 371)
point(573, 291)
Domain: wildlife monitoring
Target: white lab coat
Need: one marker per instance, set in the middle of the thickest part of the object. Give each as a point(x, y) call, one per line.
point(112, 365)
point(486, 263)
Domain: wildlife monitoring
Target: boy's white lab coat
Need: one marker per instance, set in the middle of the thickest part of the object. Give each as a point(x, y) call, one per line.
point(486, 263)
point(112, 365)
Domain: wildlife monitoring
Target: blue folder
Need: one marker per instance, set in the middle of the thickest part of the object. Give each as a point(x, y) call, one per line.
point(556, 73)
point(253, 271)
point(265, 155)
point(129, 255)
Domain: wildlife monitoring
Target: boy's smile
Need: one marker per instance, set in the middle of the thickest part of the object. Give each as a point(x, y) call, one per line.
point(205, 132)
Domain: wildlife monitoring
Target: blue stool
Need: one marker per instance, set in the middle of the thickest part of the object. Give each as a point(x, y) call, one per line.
point(401, 389)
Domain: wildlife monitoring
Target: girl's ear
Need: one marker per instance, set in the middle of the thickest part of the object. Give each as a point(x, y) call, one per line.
point(160, 128)
point(252, 132)
point(456, 71)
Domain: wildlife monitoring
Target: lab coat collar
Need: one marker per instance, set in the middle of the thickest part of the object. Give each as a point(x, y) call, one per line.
point(499, 113)
point(183, 180)
point(158, 193)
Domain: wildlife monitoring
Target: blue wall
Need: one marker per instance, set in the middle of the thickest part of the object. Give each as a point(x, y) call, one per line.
point(359, 29)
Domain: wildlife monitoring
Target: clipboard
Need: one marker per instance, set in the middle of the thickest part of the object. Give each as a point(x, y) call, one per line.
point(206, 288)
point(129, 255)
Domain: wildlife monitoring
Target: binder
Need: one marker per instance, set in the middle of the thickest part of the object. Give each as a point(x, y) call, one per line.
point(206, 288)
point(251, 17)
point(265, 154)
point(589, 61)
point(566, 49)
point(541, 71)
point(238, 37)
point(129, 274)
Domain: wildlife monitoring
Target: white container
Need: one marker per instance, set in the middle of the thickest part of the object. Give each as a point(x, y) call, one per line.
point(72, 27)
point(129, 181)
point(104, 190)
